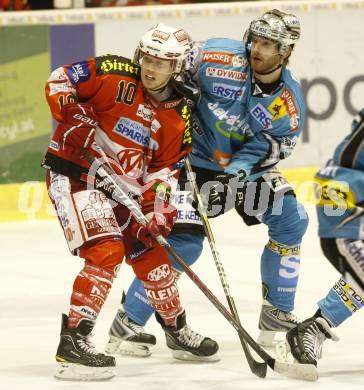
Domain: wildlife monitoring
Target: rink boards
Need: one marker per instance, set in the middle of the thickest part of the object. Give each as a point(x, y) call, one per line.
point(29, 200)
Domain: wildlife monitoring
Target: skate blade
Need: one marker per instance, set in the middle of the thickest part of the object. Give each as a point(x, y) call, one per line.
point(78, 372)
point(280, 351)
point(268, 338)
point(306, 372)
point(188, 356)
point(128, 348)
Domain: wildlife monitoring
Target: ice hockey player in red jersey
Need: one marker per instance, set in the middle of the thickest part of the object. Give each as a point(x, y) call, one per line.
point(130, 115)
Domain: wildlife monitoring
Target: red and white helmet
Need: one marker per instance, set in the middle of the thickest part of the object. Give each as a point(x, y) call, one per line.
point(167, 43)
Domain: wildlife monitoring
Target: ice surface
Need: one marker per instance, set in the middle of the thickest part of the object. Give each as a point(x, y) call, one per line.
point(37, 273)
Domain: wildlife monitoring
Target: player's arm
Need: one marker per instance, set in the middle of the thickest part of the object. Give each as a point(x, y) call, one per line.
point(262, 151)
point(71, 83)
point(349, 153)
point(267, 147)
point(68, 91)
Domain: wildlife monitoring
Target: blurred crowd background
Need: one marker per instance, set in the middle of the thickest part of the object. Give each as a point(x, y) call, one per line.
point(19, 5)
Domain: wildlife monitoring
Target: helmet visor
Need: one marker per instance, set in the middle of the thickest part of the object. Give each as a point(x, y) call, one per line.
point(157, 65)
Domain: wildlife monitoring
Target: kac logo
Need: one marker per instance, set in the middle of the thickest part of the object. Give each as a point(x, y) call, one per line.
point(132, 162)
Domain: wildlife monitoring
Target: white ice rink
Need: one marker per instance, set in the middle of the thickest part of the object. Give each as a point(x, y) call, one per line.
point(37, 273)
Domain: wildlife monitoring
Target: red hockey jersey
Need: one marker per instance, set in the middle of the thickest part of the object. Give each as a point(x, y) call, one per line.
point(147, 140)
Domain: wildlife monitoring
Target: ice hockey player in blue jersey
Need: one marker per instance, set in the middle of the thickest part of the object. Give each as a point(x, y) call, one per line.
point(249, 117)
point(340, 190)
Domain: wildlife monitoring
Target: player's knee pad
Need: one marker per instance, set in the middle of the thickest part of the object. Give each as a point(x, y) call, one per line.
point(349, 260)
point(330, 249)
point(149, 260)
point(288, 224)
point(107, 253)
point(188, 245)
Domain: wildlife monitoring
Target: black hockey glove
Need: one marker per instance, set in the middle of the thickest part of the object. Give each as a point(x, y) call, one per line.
point(222, 195)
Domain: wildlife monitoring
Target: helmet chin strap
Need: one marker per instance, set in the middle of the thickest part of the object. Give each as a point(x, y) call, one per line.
point(269, 71)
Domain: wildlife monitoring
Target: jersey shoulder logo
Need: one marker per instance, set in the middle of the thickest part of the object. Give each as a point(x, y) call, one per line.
point(78, 72)
point(277, 108)
point(291, 109)
point(117, 65)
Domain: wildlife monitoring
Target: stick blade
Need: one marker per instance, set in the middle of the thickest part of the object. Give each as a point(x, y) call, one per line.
point(306, 372)
point(258, 368)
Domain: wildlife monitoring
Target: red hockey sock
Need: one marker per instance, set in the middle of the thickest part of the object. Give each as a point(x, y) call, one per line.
point(90, 290)
point(162, 293)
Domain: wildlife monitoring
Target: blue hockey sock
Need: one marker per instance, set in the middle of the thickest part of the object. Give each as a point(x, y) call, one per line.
point(136, 303)
point(341, 302)
point(280, 275)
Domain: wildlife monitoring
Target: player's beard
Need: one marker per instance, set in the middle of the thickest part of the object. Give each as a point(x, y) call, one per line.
point(261, 65)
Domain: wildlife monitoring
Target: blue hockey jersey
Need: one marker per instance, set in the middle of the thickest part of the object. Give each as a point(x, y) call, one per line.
point(242, 129)
point(340, 187)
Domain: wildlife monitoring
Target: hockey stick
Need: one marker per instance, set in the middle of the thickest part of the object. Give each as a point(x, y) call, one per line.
point(257, 368)
point(299, 371)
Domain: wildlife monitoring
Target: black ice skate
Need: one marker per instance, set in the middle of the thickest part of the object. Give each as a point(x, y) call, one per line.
point(128, 338)
point(77, 357)
point(187, 344)
point(306, 339)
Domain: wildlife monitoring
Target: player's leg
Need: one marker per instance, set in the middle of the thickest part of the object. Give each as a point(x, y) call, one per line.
point(270, 200)
point(102, 250)
point(347, 295)
point(280, 264)
point(136, 302)
point(344, 299)
point(155, 272)
point(127, 335)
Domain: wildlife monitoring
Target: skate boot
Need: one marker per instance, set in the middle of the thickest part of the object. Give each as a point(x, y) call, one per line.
point(127, 338)
point(187, 344)
point(306, 339)
point(77, 358)
point(273, 321)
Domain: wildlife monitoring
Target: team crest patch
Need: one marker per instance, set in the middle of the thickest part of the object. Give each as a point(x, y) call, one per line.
point(78, 72)
point(277, 108)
